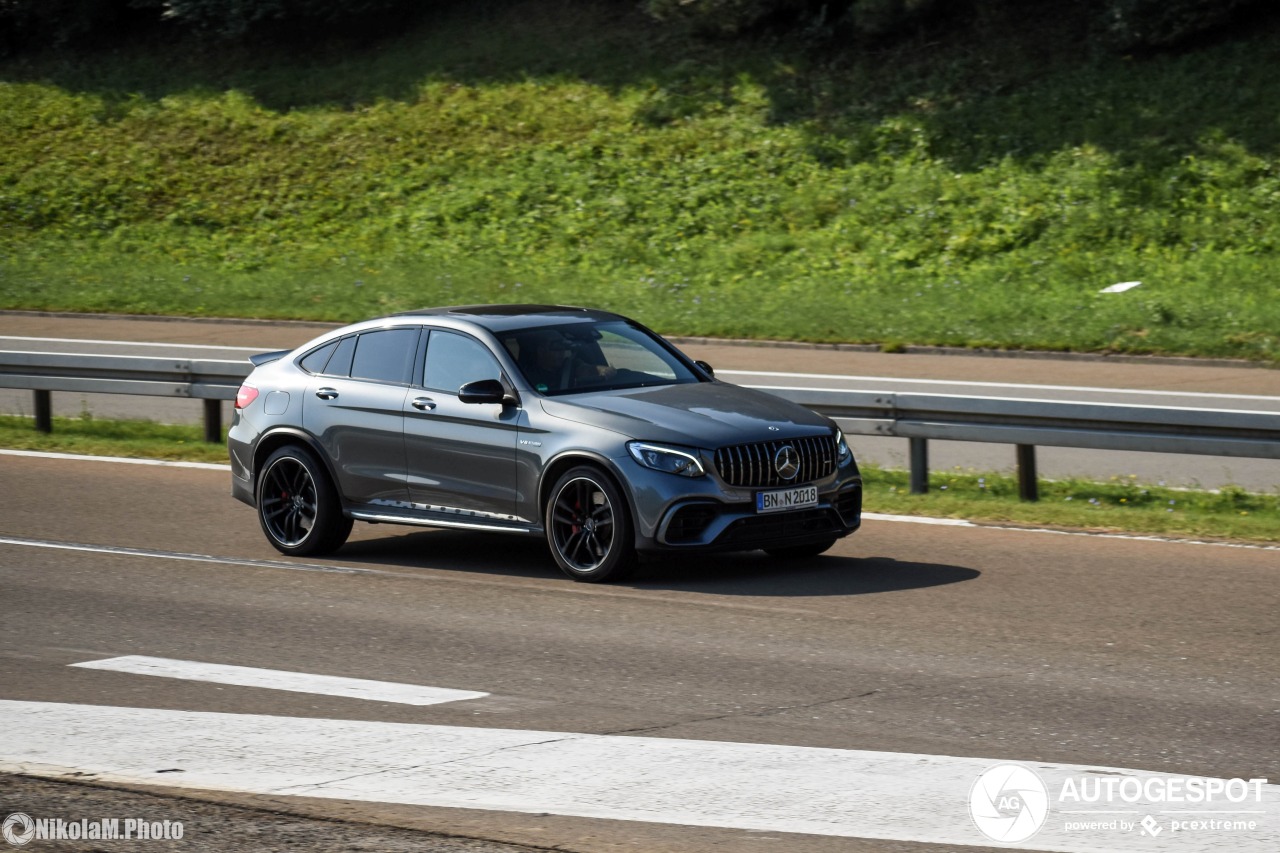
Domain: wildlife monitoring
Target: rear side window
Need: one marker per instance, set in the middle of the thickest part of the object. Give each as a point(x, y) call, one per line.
point(314, 361)
point(340, 364)
point(384, 355)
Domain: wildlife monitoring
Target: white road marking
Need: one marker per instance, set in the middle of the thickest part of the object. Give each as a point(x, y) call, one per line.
point(903, 381)
point(832, 792)
point(719, 372)
point(134, 343)
point(209, 466)
point(121, 551)
point(163, 463)
point(916, 519)
point(1051, 401)
point(294, 682)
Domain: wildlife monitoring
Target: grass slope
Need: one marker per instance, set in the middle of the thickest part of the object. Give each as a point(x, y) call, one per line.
point(973, 188)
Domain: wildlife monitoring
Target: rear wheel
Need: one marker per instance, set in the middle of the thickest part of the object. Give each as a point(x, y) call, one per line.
point(589, 527)
point(800, 552)
point(298, 507)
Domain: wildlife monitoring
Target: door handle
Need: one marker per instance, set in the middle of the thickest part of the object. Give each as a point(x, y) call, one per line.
point(423, 404)
point(326, 393)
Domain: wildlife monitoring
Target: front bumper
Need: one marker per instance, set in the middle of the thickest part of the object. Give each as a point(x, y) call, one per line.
point(699, 525)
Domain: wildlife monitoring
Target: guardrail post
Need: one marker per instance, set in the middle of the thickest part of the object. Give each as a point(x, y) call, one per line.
point(213, 421)
point(44, 411)
point(919, 465)
point(1028, 488)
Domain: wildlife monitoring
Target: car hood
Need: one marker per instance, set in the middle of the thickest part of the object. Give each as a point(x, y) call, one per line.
point(703, 414)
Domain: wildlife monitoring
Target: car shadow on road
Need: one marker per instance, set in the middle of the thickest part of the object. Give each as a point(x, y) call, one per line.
point(748, 574)
point(757, 574)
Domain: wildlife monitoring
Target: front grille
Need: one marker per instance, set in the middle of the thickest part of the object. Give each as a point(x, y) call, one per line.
point(752, 465)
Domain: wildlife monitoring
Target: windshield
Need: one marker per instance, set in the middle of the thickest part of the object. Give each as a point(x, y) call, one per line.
point(579, 357)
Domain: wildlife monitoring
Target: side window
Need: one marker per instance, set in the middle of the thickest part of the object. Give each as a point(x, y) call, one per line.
point(453, 360)
point(340, 364)
point(314, 361)
point(384, 355)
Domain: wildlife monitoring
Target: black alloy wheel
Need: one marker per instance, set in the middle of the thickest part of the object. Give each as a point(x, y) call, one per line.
point(589, 527)
point(297, 505)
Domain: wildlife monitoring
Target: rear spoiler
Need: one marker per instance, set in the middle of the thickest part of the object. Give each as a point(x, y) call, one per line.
point(268, 357)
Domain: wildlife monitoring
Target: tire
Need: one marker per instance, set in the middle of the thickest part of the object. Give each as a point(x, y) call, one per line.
point(800, 552)
point(589, 527)
point(298, 507)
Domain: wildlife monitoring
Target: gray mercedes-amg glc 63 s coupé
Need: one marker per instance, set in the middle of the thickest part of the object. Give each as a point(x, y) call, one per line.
point(576, 425)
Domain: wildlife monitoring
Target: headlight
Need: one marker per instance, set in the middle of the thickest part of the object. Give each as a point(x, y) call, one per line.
point(842, 447)
point(672, 460)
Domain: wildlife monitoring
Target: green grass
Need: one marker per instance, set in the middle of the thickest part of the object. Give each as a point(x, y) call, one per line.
point(929, 193)
point(89, 436)
point(1121, 504)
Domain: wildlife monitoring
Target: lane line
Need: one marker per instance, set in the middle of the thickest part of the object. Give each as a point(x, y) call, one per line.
point(874, 516)
point(918, 519)
point(294, 682)
point(785, 375)
point(134, 343)
point(831, 792)
point(163, 463)
point(1085, 388)
point(120, 551)
point(1049, 401)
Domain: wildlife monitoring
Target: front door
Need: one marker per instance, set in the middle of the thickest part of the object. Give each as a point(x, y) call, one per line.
point(461, 457)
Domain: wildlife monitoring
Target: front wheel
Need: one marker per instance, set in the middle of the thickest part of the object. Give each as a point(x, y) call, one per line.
point(589, 527)
point(298, 507)
point(800, 552)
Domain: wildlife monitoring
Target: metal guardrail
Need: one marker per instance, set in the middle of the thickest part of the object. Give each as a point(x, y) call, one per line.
point(210, 380)
point(1031, 423)
point(915, 417)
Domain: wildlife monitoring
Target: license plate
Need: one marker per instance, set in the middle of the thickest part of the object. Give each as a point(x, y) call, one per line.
point(781, 499)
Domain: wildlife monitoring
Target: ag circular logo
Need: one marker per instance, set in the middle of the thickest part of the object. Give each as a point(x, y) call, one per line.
point(18, 829)
point(1009, 803)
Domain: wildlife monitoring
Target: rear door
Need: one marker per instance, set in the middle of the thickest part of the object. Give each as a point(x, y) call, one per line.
point(355, 407)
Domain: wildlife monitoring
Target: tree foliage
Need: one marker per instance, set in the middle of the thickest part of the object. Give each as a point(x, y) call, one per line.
point(35, 24)
point(1123, 24)
point(1126, 24)
point(1164, 23)
point(235, 18)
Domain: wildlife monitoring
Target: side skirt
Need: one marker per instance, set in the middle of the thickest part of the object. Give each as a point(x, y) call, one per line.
point(427, 518)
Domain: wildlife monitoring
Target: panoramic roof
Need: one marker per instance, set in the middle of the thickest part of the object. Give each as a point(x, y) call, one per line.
point(503, 317)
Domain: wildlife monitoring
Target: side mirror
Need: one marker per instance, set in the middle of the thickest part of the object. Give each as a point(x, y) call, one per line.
point(706, 368)
point(483, 391)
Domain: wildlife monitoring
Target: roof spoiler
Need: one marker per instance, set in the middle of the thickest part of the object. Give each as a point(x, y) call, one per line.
point(268, 357)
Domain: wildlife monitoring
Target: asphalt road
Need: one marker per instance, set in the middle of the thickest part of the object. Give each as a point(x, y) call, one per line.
point(929, 640)
point(1197, 385)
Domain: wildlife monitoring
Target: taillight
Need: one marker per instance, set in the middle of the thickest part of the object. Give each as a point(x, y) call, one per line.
point(246, 395)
